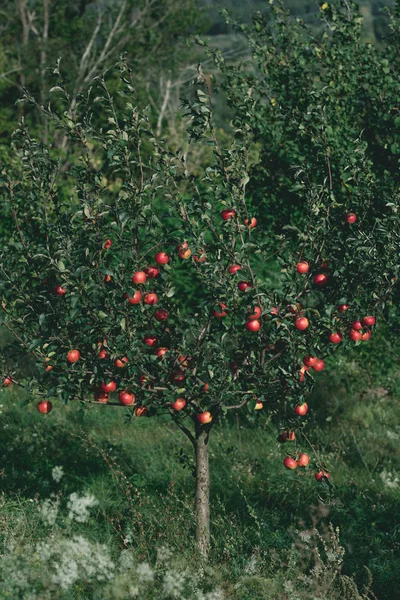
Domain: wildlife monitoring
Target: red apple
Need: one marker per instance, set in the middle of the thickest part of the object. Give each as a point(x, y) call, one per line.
point(60, 290)
point(303, 460)
point(126, 398)
point(302, 267)
point(7, 382)
point(73, 356)
point(302, 323)
point(244, 285)
point(177, 377)
point(369, 321)
point(343, 307)
point(319, 365)
point(150, 340)
point(301, 409)
point(184, 253)
point(228, 213)
point(160, 352)
point(274, 311)
point(259, 405)
point(205, 389)
point(287, 436)
point(44, 406)
point(357, 325)
point(108, 386)
point(135, 299)
point(179, 404)
point(234, 269)
point(256, 314)
point(121, 363)
point(355, 335)
point(350, 218)
point(102, 397)
point(320, 475)
point(107, 278)
point(302, 373)
point(107, 244)
point(140, 411)
point(161, 314)
point(290, 463)
point(200, 258)
point(222, 313)
point(151, 298)
point(335, 338)
point(253, 325)
point(152, 272)
point(252, 223)
point(103, 354)
point(204, 417)
point(139, 277)
point(365, 336)
point(320, 280)
point(309, 361)
point(161, 258)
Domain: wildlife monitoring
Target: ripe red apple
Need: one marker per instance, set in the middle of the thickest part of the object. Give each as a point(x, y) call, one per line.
point(303, 460)
point(287, 436)
point(350, 218)
point(103, 354)
point(302, 267)
point(107, 278)
point(204, 417)
point(369, 321)
point(355, 335)
point(319, 365)
point(309, 361)
point(184, 253)
point(274, 311)
point(290, 463)
point(121, 363)
point(301, 409)
point(343, 307)
point(244, 285)
point(302, 323)
point(253, 325)
point(228, 213)
point(161, 258)
point(335, 338)
point(357, 325)
point(150, 340)
point(252, 223)
point(320, 280)
point(7, 382)
point(140, 411)
point(102, 397)
point(44, 407)
point(321, 474)
point(135, 299)
point(47, 367)
point(161, 314)
point(256, 314)
point(152, 272)
point(302, 373)
point(107, 244)
point(222, 313)
point(177, 377)
point(365, 336)
point(126, 398)
point(60, 290)
point(160, 352)
point(151, 298)
point(205, 389)
point(139, 277)
point(73, 356)
point(108, 386)
point(200, 258)
point(179, 404)
point(259, 405)
point(234, 269)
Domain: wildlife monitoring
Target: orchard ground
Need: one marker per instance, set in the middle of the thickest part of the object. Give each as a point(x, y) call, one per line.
point(260, 511)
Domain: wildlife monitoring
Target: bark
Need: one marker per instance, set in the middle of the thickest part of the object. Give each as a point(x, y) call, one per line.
point(202, 507)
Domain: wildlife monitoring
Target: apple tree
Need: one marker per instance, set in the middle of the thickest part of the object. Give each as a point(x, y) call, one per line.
point(92, 281)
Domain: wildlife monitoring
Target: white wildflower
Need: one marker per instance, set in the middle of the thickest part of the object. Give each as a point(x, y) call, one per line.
point(134, 591)
point(48, 511)
point(145, 572)
point(57, 474)
point(390, 480)
point(164, 554)
point(125, 562)
point(173, 584)
point(79, 507)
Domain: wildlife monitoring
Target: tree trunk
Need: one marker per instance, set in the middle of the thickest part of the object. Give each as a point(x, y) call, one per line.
point(202, 490)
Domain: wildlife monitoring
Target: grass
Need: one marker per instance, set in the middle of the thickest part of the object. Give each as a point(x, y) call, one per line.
point(141, 475)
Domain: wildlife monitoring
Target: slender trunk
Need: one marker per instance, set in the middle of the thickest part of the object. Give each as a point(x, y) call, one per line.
point(202, 490)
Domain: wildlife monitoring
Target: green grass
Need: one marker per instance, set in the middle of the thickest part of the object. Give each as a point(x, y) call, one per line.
point(144, 485)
